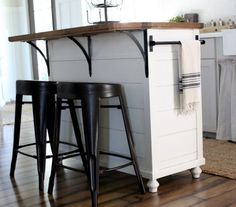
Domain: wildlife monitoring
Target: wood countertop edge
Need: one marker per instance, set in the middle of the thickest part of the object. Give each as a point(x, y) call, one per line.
point(102, 28)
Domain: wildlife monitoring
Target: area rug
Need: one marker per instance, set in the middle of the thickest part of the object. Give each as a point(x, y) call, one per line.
point(7, 114)
point(220, 158)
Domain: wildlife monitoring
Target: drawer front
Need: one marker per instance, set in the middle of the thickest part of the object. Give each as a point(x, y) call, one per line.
point(176, 149)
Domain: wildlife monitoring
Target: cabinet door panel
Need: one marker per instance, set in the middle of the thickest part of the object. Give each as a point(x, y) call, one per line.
point(209, 95)
point(208, 49)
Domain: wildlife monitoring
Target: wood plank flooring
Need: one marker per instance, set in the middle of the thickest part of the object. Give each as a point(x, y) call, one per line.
point(116, 189)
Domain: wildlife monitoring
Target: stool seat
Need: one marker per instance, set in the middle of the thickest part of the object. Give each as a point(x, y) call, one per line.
point(43, 104)
point(43, 94)
point(30, 87)
point(77, 90)
point(90, 95)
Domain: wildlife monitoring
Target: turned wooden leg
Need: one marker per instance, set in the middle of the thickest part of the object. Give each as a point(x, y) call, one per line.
point(152, 186)
point(196, 172)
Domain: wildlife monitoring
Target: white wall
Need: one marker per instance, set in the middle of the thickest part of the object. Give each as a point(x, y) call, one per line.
point(42, 15)
point(163, 10)
point(71, 13)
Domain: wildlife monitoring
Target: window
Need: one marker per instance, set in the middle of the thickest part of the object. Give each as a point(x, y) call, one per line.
point(15, 58)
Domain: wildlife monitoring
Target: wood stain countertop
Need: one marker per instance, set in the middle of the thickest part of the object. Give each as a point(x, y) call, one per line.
point(102, 28)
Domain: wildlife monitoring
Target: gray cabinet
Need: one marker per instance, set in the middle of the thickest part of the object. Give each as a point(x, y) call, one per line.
point(209, 86)
point(209, 95)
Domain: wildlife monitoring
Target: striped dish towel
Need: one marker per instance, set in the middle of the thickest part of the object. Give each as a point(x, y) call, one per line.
point(189, 75)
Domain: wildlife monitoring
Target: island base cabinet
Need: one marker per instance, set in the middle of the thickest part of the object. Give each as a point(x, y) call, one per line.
point(166, 141)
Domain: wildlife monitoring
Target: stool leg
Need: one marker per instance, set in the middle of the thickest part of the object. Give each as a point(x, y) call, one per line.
point(77, 132)
point(90, 110)
point(18, 111)
point(40, 123)
point(55, 149)
point(131, 145)
point(50, 118)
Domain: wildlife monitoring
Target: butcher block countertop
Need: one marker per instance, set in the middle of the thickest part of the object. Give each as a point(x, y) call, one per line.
point(102, 28)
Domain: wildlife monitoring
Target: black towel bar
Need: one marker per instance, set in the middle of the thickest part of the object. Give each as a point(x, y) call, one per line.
point(153, 43)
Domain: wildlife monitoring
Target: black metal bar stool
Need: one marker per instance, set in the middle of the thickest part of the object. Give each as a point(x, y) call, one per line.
point(90, 94)
point(43, 103)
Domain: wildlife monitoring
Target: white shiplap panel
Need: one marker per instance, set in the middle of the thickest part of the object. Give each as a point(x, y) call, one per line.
point(133, 94)
point(126, 48)
point(115, 141)
point(65, 115)
point(168, 51)
point(66, 49)
point(114, 71)
point(119, 70)
point(164, 97)
point(170, 122)
point(104, 46)
point(70, 71)
point(114, 135)
point(164, 52)
point(170, 35)
point(112, 118)
point(164, 72)
point(67, 132)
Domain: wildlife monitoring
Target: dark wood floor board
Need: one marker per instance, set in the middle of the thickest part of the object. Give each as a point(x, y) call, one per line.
point(108, 191)
point(232, 205)
point(215, 191)
point(116, 189)
point(181, 202)
point(223, 200)
point(44, 197)
point(15, 190)
point(179, 190)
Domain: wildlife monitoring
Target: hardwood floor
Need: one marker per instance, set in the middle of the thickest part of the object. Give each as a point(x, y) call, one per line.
point(116, 189)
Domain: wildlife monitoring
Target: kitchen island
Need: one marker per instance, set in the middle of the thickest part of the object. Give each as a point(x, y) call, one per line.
point(143, 57)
